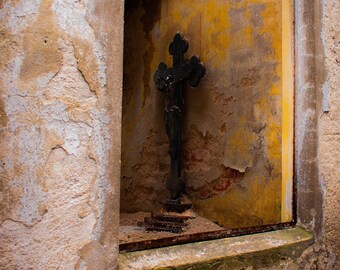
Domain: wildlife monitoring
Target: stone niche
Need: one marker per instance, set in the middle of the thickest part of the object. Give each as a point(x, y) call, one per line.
point(233, 133)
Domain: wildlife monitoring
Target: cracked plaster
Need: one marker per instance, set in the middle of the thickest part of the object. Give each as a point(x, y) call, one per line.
point(56, 136)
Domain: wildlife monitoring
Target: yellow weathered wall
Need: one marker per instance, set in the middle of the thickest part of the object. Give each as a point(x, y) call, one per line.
point(232, 137)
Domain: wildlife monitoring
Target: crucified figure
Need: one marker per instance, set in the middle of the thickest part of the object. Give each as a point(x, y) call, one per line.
point(172, 81)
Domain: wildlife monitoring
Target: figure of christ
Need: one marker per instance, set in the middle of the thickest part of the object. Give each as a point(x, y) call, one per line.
point(173, 81)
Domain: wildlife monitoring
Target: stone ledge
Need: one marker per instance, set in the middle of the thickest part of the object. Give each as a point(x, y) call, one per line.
point(256, 250)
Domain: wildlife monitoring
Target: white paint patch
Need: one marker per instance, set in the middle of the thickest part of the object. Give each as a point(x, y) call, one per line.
point(43, 80)
point(71, 18)
point(24, 14)
point(101, 145)
point(13, 70)
point(32, 197)
point(55, 110)
point(325, 97)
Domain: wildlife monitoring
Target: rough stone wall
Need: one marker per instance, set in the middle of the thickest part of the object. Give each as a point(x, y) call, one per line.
point(317, 131)
point(329, 130)
point(318, 186)
point(60, 70)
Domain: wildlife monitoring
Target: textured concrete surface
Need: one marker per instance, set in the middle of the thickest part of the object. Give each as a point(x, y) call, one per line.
point(59, 146)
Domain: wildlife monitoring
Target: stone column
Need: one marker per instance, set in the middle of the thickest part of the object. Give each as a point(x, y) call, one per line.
point(60, 110)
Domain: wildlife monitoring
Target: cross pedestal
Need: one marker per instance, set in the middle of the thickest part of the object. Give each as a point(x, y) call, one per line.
point(172, 81)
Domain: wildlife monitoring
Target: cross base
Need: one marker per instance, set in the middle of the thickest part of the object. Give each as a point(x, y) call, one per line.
point(172, 218)
point(177, 207)
point(166, 222)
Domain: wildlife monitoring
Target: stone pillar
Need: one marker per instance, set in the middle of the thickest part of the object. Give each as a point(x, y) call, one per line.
point(60, 110)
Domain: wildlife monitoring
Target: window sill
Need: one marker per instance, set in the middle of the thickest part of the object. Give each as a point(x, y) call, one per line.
point(257, 250)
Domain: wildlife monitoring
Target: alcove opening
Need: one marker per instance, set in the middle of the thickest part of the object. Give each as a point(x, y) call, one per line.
point(234, 127)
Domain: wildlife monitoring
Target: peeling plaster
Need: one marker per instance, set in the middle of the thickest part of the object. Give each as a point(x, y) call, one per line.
point(71, 18)
point(56, 136)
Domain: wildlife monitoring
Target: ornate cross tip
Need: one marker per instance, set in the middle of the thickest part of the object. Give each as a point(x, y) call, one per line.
point(198, 70)
point(179, 44)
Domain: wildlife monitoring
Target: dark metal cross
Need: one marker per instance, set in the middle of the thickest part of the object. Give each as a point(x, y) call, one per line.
point(172, 81)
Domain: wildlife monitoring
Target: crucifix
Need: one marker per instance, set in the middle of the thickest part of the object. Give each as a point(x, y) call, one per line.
point(172, 81)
